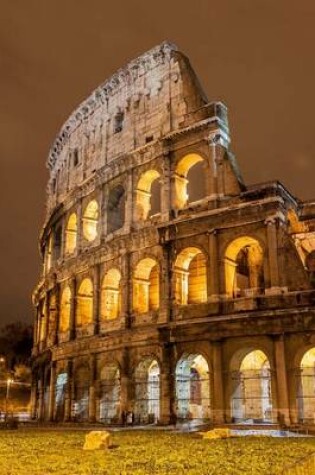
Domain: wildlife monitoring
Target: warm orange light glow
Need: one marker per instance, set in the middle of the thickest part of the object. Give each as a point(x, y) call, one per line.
point(111, 295)
point(244, 267)
point(84, 308)
point(181, 182)
point(65, 308)
point(146, 286)
point(191, 277)
point(90, 220)
point(71, 234)
point(143, 193)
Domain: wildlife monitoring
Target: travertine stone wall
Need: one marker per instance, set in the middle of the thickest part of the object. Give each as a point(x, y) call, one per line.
point(171, 302)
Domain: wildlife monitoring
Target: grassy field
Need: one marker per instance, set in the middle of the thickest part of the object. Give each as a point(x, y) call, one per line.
point(146, 453)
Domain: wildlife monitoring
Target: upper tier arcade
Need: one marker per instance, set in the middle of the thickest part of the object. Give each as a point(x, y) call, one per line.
point(154, 96)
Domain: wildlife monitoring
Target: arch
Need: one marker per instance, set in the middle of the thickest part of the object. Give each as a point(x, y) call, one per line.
point(306, 387)
point(111, 295)
point(90, 221)
point(110, 393)
point(251, 388)
point(148, 195)
point(147, 391)
point(84, 307)
point(189, 180)
point(116, 209)
point(190, 276)
point(244, 267)
point(81, 386)
point(60, 395)
point(65, 309)
point(71, 234)
point(192, 388)
point(146, 286)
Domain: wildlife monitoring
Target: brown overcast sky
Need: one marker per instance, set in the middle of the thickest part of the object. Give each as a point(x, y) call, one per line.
point(255, 55)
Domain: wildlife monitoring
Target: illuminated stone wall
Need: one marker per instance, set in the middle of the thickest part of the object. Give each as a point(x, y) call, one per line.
point(162, 271)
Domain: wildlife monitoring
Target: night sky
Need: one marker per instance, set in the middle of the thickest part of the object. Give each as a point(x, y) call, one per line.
point(255, 55)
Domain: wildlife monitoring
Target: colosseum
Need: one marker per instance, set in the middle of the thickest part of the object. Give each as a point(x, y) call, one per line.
point(171, 290)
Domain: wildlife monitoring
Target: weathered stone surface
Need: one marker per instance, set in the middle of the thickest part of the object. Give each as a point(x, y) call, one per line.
point(97, 439)
point(162, 271)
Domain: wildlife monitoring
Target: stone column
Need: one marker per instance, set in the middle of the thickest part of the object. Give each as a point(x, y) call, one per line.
point(165, 313)
point(218, 393)
point(68, 392)
point(96, 299)
point(79, 227)
point(166, 188)
point(214, 269)
point(282, 384)
point(167, 386)
point(73, 289)
point(273, 255)
point(92, 389)
point(57, 310)
point(129, 202)
point(34, 397)
point(52, 391)
point(126, 389)
point(41, 389)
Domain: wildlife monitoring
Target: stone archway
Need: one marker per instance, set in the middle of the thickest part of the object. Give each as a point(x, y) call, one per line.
point(251, 397)
point(109, 394)
point(306, 388)
point(192, 388)
point(80, 400)
point(147, 392)
point(60, 396)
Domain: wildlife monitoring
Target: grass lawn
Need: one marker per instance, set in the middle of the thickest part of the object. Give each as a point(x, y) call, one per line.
point(146, 453)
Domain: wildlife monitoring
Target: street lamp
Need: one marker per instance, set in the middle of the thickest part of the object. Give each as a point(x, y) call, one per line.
point(9, 382)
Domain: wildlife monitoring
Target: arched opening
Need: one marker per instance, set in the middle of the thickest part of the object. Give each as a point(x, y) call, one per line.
point(71, 234)
point(190, 182)
point(48, 253)
point(65, 309)
point(110, 388)
point(80, 402)
point(52, 320)
point(244, 268)
point(84, 306)
point(90, 221)
point(148, 195)
point(251, 396)
point(111, 295)
point(116, 209)
point(192, 388)
point(190, 277)
point(60, 395)
point(147, 392)
point(42, 321)
point(306, 392)
point(146, 293)
point(57, 243)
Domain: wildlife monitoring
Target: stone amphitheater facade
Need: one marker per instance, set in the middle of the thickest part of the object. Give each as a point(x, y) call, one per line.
point(170, 290)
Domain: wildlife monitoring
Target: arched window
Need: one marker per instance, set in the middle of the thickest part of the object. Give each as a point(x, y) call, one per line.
point(191, 277)
point(306, 393)
point(80, 403)
point(71, 234)
point(146, 286)
point(147, 391)
point(251, 397)
point(116, 209)
point(192, 388)
point(84, 307)
point(111, 295)
point(110, 389)
point(244, 269)
point(48, 251)
point(90, 221)
point(148, 195)
point(65, 309)
point(189, 180)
